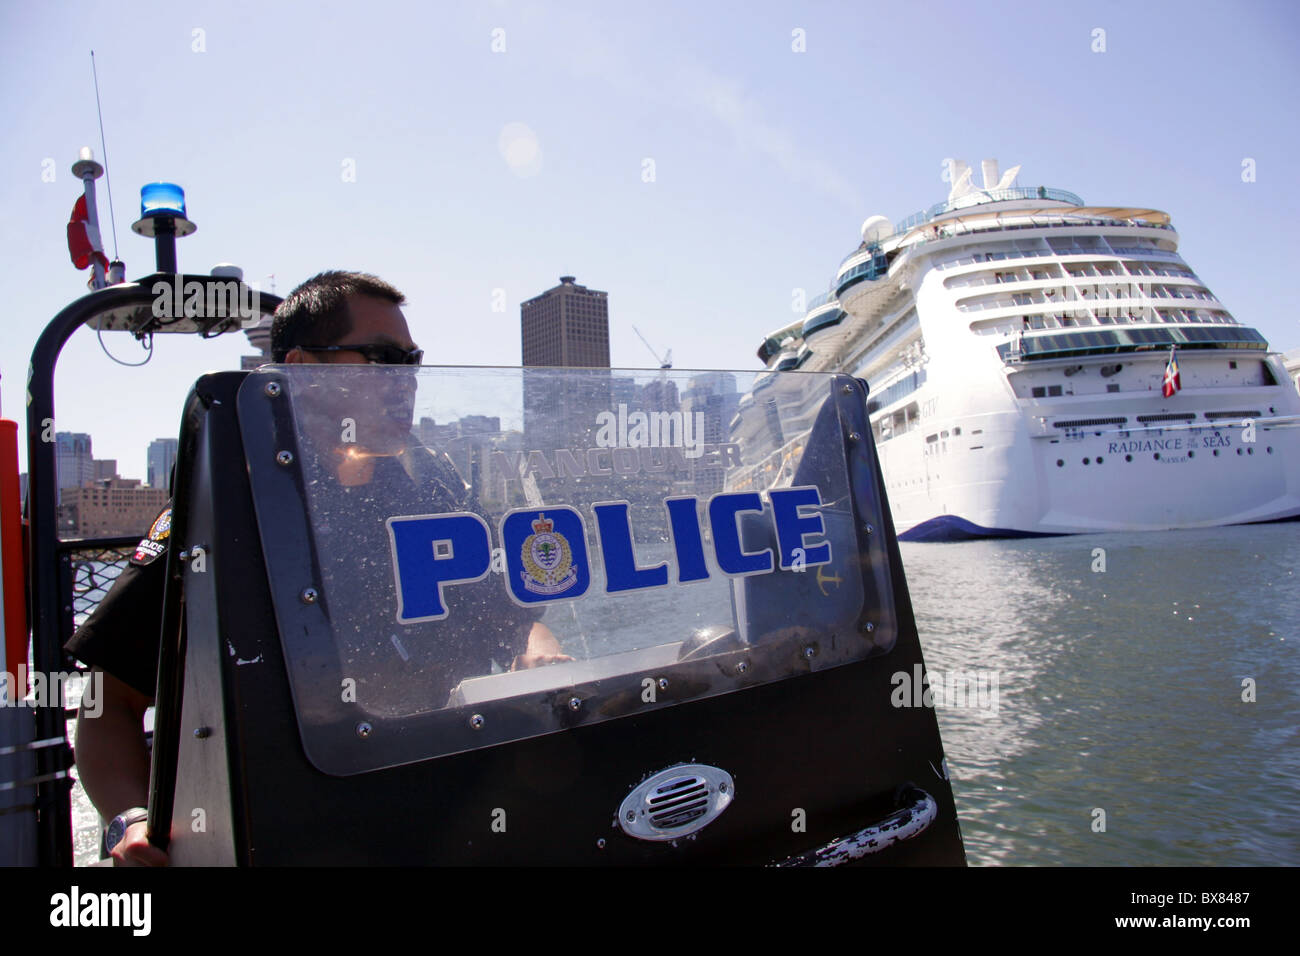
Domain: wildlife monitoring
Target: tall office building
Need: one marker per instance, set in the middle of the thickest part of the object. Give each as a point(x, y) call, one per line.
point(567, 325)
point(74, 461)
point(162, 455)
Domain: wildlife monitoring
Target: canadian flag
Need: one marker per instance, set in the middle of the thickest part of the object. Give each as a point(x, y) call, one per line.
point(1172, 382)
point(83, 238)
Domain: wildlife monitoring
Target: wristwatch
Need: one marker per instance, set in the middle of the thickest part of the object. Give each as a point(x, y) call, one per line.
point(117, 829)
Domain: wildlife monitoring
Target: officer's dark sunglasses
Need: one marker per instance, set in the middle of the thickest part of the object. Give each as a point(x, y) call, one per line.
point(375, 354)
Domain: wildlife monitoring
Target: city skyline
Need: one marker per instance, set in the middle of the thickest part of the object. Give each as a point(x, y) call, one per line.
point(76, 465)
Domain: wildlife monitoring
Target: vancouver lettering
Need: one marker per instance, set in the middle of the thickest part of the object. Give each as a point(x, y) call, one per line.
point(611, 460)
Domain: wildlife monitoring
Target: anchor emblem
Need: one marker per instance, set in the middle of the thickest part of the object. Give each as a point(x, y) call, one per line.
point(822, 578)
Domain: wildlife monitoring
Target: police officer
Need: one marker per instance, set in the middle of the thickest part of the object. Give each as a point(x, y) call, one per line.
point(334, 317)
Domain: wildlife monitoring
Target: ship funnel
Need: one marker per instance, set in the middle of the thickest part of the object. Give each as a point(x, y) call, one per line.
point(959, 175)
point(990, 168)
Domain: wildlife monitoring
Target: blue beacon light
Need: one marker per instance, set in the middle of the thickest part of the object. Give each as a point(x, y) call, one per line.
point(162, 199)
point(162, 218)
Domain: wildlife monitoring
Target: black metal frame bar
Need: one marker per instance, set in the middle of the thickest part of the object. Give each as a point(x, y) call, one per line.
point(49, 592)
point(171, 650)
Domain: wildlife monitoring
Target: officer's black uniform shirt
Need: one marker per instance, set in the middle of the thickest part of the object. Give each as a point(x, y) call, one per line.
point(121, 634)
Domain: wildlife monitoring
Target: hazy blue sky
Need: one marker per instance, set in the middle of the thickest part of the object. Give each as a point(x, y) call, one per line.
point(765, 160)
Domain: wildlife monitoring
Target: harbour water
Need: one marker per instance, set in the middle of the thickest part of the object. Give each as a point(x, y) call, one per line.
point(1121, 730)
point(1121, 691)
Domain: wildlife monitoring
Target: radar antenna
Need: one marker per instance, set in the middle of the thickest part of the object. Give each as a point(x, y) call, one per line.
point(103, 148)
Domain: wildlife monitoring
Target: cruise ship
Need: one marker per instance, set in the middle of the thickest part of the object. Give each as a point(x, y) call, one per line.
point(1038, 365)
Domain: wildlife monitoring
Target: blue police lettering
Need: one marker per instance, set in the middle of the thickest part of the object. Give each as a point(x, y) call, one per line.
point(733, 560)
point(792, 527)
point(684, 526)
point(432, 551)
point(621, 572)
point(546, 548)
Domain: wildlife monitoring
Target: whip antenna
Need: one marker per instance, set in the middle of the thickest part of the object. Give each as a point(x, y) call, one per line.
point(103, 148)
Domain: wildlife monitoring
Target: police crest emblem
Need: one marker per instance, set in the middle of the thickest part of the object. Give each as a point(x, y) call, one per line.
point(154, 544)
point(547, 560)
point(546, 554)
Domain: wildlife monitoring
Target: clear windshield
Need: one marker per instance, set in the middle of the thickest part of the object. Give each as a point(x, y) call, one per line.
point(465, 556)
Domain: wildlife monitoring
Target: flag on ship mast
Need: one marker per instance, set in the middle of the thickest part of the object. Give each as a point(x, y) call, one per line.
point(83, 238)
point(1172, 383)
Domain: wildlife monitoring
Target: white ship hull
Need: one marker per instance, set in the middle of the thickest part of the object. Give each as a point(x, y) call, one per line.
point(1005, 481)
point(1016, 343)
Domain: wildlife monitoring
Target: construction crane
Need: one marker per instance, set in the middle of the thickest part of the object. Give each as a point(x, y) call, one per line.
point(666, 361)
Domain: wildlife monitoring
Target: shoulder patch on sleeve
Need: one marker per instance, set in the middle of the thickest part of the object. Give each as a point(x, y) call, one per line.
point(154, 544)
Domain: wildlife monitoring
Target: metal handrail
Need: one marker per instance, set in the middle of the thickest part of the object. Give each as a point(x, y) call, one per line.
point(1007, 227)
point(993, 195)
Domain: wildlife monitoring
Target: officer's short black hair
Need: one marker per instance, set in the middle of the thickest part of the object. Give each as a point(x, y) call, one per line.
point(316, 313)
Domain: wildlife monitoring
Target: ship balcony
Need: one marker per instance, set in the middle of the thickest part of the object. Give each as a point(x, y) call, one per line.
point(822, 318)
point(1029, 348)
point(870, 266)
point(1144, 251)
point(1007, 318)
point(985, 197)
point(980, 197)
point(858, 286)
point(1098, 295)
point(778, 340)
point(819, 301)
point(1093, 248)
point(790, 360)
